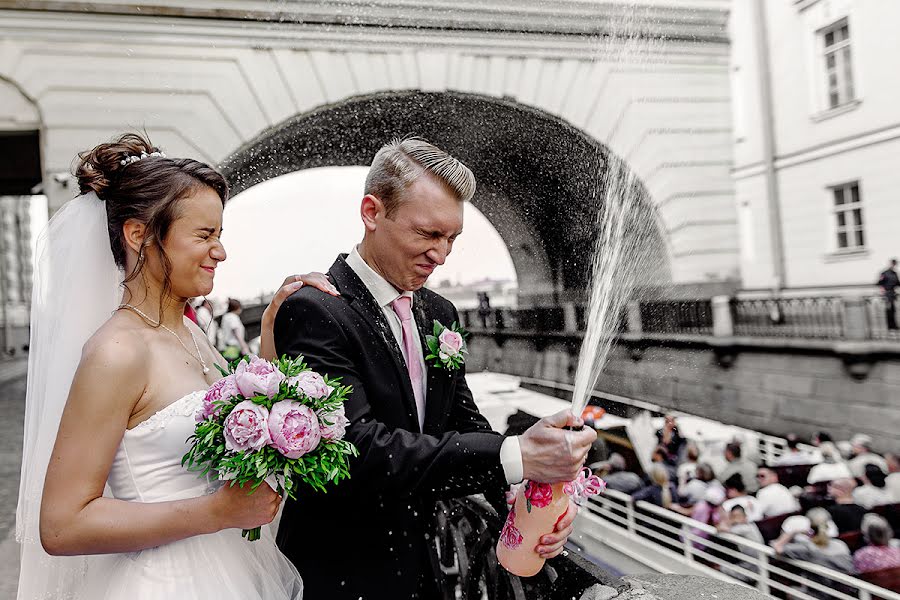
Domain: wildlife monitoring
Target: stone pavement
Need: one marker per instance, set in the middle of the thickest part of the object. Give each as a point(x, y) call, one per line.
point(659, 586)
point(12, 407)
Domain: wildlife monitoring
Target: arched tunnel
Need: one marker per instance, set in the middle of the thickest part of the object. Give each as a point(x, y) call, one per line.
point(540, 180)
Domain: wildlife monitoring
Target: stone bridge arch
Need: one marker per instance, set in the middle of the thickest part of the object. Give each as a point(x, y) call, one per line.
point(540, 180)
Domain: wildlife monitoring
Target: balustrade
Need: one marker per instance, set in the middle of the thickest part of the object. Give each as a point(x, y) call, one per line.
point(818, 317)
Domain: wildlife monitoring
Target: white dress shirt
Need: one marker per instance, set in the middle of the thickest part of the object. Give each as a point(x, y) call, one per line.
point(775, 499)
point(385, 293)
point(751, 507)
point(868, 496)
point(892, 484)
point(828, 472)
point(858, 464)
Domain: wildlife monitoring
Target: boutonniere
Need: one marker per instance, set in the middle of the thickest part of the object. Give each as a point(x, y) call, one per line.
point(447, 346)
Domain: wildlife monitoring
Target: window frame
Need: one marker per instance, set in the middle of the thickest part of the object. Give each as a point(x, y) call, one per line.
point(841, 52)
point(853, 229)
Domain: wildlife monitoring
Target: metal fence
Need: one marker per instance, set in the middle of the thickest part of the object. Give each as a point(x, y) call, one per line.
point(726, 555)
point(677, 316)
point(543, 319)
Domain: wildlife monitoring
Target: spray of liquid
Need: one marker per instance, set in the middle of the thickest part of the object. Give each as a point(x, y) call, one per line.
point(628, 251)
point(625, 248)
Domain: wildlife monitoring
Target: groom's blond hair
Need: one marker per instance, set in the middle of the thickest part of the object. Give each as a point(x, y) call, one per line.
point(400, 162)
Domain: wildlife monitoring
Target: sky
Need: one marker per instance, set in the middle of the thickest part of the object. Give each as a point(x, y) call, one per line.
point(299, 222)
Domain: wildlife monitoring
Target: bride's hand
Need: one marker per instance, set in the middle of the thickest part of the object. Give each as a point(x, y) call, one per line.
point(290, 285)
point(235, 508)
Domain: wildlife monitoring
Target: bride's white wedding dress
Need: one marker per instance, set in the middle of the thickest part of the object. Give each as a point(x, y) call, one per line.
point(220, 566)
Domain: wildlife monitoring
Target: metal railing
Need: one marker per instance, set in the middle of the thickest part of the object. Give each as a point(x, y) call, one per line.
point(677, 316)
point(543, 319)
point(725, 555)
point(815, 317)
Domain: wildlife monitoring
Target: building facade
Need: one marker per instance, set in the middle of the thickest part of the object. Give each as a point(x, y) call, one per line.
point(815, 91)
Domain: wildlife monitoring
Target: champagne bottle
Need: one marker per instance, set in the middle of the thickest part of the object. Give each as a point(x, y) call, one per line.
point(535, 513)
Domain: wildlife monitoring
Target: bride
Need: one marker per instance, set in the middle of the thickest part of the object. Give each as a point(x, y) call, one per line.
point(118, 394)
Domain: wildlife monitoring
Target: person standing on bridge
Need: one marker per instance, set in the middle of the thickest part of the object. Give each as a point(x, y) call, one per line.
point(232, 332)
point(420, 436)
point(889, 281)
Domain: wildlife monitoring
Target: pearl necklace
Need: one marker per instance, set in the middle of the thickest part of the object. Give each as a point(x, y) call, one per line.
point(159, 324)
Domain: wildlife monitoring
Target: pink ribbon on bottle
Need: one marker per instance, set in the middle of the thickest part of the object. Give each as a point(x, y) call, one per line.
point(584, 486)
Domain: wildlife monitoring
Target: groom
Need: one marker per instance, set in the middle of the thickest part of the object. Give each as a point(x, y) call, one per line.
point(419, 434)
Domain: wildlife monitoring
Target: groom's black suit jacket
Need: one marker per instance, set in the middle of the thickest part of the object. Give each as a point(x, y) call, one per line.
point(372, 536)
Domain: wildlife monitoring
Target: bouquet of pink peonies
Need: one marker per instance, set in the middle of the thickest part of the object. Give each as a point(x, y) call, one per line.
point(278, 422)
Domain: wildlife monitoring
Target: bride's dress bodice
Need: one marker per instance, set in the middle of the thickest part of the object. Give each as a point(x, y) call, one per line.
point(147, 466)
point(222, 565)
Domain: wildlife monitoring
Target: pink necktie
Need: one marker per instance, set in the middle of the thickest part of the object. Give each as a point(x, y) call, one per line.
point(402, 306)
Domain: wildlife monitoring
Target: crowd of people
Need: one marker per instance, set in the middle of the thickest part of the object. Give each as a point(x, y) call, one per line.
point(839, 508)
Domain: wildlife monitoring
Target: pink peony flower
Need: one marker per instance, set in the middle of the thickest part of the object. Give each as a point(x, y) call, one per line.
point(294, 428)
point(223, 389)
point(510, 536)
point(257, 378)
point(311, 384)
point(451, 342)
point(333, 424)
point(246, 428)
point(540, 494)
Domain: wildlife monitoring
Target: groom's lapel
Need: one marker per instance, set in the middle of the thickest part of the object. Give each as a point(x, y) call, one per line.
point(361, 300)
point(437, 380)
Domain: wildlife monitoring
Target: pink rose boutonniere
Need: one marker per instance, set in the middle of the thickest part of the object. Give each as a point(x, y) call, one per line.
point(447, 346)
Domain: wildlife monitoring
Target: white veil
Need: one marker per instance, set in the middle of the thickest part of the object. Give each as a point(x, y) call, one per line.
point(76, 289)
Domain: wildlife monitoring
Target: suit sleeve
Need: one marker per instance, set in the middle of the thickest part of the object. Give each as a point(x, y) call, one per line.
point(465, 417)
point(391, 462)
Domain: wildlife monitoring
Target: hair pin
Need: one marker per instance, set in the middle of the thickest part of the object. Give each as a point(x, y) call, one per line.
point(133, 158)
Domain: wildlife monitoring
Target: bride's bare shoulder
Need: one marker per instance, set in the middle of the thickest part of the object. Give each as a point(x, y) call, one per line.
point(117, 345)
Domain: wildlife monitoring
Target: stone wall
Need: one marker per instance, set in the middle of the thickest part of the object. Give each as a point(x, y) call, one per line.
point(775, 389)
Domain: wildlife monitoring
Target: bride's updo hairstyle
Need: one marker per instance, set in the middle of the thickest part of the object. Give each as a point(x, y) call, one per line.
point(148, 190)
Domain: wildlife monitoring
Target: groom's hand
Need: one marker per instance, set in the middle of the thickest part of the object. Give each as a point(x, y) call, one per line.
point(551, 454)
point(552, 544)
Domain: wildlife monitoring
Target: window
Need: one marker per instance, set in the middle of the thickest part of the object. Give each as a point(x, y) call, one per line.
point(838, 67)
point(848, 217)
